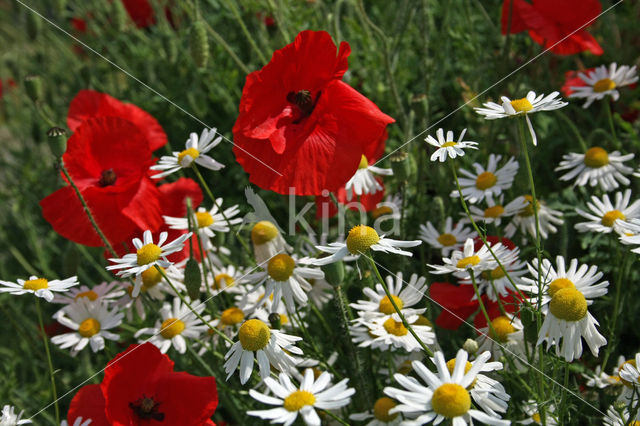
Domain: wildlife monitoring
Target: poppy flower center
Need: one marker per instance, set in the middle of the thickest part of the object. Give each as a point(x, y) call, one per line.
point(280, 267)
point(568, 304)
point(521, 105)
point(146, 408)
point(360, 238)
point(254, 335)
point(381, 409)
point(609, 218)
point(107, 177)
point(502, 327)
point(91, 295)
point(448, 144)
point(447, 239)
point(231, 316)
point(36, 284)
point(451, 400)
point(298, 399)
point(150, 278)
point(89, 327)
point(604, 85)
point(494, 211)
point(386, 307)
point(493, 274)
point(364, 163)
point(468, 261)
point(626, 382)
point(486, 180)
point(596, 157)
point(381, 211)
point(527, 211)
point(218, 279)
point(204, 219)
point(148, 253)
point(263, 232)
point(187, 156)
point(303, 100)
point(395, 327)
point(171, 327)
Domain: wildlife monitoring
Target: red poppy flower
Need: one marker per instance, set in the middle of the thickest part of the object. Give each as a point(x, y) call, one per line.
point(141, 388)
point(108, 159)
point(549, 21)
point(299, 125)
point(477, 241)
point(89, 103)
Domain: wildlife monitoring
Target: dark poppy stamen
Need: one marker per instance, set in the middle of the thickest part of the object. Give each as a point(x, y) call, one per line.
point(147, 409)
point(108, 177)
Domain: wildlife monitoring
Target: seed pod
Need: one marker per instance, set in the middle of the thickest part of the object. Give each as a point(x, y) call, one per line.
point(34, 25)
point(334, 273)
point(192, 279)
point(57, 141)
point(275, 320)
point(199, 44)
point(33, 86)
point(400, 165)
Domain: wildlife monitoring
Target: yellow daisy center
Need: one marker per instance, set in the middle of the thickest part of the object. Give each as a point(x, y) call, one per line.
point(232, 316)
point(263, 232)
point(360, 238)
point(493, 274)
point(527, 211)
point(494, 211)
point(284, 319)
point(381, 211)
point(298, 399)
point(148, 253)
point(451, 364)
point(521, 105)
point(451, 400)
point(218, 281)
point(568, 304)
point(447, 239)
point(596, 157)
point(171, 327)
point(394, 327)
point(280, 267)
point(465, 262)
point(450, 143)
point(386, 307)
point(609, 218)
point(381, 409)
point(364, 163)
point(502, 327)
point(191, 152)
point(36, 284)
point(559, 284)
point(204, 219)
point(603, 85)
point(89, 327)
point(254, 335)
point(422, 320)
point(150, 278)
point(536, 418)
point(625, 382)
point(486, 180)
point(91, 295)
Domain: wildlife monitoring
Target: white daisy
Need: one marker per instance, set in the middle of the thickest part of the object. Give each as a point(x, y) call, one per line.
point(525, 220)
point(527, 105)
point(178, 324)
point(389, 208)
point(504, 338)
point(379, 414)
point(147, 256)
point(267, 241)
point(107, 291)
point(360, 239)
point(10, 418)
point(496, 211)
point(490, 181)
point(531, 409)
point(153, 287)
point(79, 421)
point(629, 372)
point(468, 259)
point(227, 279)
point(384, 332)
point(619, 418)
point(450, 237)
point(90, 322)
point(321, 291)
point(405, 297)
point(600, 379)
point(195, 150)
point(566, 294)
point(602, 82)
point(631, 233)
point(596, 167)
point(292, 400)
point(269, 346)
point(606, 217)
point(40, 287)
point(446, 395)
point(448, 147)
point(364, 180)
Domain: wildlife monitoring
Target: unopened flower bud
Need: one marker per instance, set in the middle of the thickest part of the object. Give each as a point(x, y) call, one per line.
point(57, 141)
point(400, 165)
point(199, 43)
point(275, 320)
point(192, 278)
point(334, 273)
point(34, 25)
point(471, 346)
point(33, 86)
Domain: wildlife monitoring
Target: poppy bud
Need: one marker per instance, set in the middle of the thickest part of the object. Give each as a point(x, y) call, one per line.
point(34, 25)
point(334, 273)
point(33, 86)
point(400, 165)
point(199, 44)
point(275, 320)
point(192, 279)
point(57, 141)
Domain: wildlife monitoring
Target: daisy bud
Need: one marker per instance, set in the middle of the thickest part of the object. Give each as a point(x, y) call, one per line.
point(334, 273)
point(619, 406)
point(471, 346)
point(57, 141)
point(400, 165)
point(199, 44)
point(275, 320)
point(192, 278)
point(33, 86)
point(34, 25)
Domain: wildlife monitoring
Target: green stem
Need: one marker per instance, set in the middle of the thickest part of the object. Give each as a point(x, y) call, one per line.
point(616, 143)
point(336, 418)
point(616, 309)
point(48, 352)
point(574, 129)
point(236, 14)
point(481, 303)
